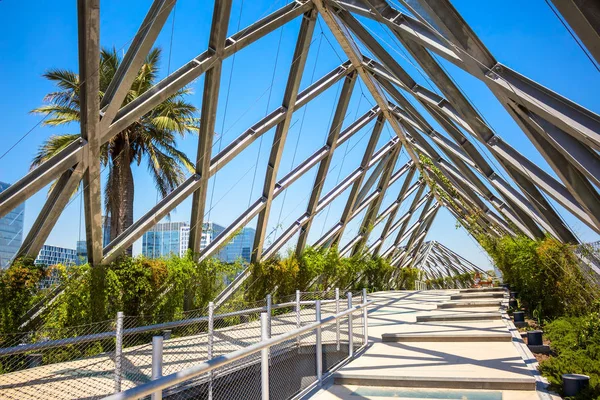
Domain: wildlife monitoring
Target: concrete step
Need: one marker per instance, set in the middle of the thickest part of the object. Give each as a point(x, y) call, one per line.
point(484, 290)
point(473, 303)
point(459, 317)
point(484, 295)
point(487, 383)
point(448, 337)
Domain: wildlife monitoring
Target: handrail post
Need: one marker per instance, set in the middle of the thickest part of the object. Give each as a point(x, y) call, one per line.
point(337, 321)
point(365, 317)
point(350, 331)
point(318, 345)
point(118, 351)
point(157, 363)
point(209, 350)
point(269, 309)
point(264, 357)
point(298, 322)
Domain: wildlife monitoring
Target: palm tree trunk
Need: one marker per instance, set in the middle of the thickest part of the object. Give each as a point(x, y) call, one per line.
point(121, 200)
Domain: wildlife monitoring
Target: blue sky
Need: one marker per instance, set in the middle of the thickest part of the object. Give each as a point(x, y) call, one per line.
point(523, 35)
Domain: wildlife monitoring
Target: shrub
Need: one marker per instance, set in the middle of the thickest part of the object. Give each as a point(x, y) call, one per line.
point(576, 342)
point(545, 273)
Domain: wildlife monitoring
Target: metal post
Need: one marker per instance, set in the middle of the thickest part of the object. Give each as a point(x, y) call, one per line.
point(118, 351)
point(337, 321)
point(350, 333)
point(157, 361)
point(269, 308)
point(365, 317)
point(298, 323)
point(209, 350)
point(318, 345)
point(264, 357)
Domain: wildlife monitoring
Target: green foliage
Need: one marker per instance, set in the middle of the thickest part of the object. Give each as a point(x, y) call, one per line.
point(18, 292)
point(320, 269)
point(576, 342)
point(158, 290)
point(545, 273)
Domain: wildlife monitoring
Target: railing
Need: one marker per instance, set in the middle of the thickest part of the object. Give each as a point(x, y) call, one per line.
point(76, 362)
point(202, 374)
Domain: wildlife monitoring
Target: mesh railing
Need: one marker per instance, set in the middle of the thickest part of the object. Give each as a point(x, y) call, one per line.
point(278, 360)
point(96, 360)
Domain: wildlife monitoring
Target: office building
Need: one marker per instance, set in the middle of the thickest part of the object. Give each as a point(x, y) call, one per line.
point(169, 238)
point(11, 232)
point(52, 255)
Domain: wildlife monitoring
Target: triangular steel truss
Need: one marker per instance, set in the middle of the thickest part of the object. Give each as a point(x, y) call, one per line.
point(566, 134)
point(438, 261)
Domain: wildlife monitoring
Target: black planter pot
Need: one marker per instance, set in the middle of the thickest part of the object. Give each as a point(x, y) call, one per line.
point(574, 383)
point(514, 295)
point(519, 316)
point(512, 303)
point(534, 338)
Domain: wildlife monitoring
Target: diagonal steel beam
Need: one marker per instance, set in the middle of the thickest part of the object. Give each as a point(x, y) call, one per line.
point(334, 132)
point(353, 198)
point(384, 182)
point(584, 17)
point(134, 58)
point(392, 214)
point(208, 117)
point(88, 12)
point(289, 99)
point(56, 202)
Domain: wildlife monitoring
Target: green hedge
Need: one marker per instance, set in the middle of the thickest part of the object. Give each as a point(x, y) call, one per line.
point(576, 341)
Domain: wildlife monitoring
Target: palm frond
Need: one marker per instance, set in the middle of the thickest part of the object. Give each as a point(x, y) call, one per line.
point(58, 114)
point(51, 147)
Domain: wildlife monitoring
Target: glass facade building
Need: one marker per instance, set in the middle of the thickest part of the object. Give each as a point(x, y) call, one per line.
point(172, 238)
point(11, 232)
point(52, 255)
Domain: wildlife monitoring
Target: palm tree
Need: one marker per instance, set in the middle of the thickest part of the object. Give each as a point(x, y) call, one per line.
point(151, 138)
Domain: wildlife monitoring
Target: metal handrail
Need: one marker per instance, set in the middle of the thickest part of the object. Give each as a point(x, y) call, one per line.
point(49, 344)
point(209, 365)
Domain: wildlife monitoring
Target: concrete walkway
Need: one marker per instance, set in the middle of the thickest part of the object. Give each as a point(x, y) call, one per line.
point(445, 344)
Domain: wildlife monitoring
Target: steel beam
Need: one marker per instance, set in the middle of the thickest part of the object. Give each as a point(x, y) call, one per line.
point(355, 191)
point(367, 223)
point(133, 60)
point(334, 132)
point(208, 117)
point(584, 18)
point(289, 99)
point(56, 202)
point(89, 64)
point(392, 214)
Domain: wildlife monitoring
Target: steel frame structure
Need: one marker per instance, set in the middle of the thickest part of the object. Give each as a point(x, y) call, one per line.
point(459, 177)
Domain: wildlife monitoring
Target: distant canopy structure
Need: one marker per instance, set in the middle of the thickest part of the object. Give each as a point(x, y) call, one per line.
point(446, 168)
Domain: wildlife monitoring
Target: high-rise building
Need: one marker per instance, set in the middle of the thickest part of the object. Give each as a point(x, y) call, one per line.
point(11, 232)
point(240, 247)
point(169, 238)
point(52, 255)
point(163, 240)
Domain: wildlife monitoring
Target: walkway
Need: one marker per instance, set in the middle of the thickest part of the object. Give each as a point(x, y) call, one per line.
point(437, 345)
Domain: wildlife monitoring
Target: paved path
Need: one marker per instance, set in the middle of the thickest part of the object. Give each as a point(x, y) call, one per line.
point(451, 357)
